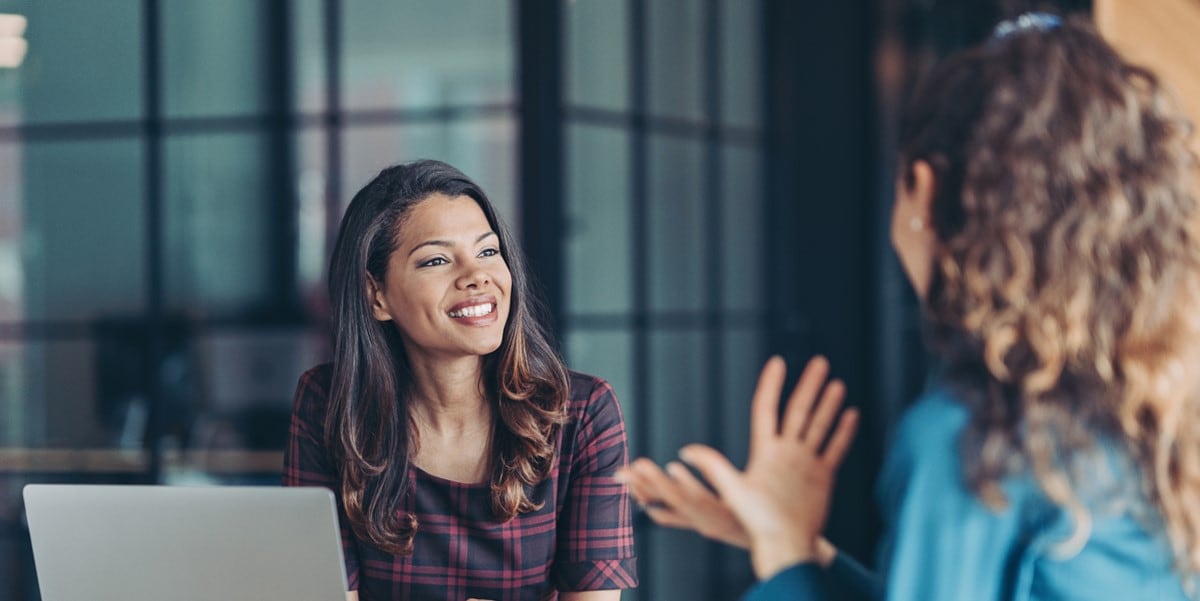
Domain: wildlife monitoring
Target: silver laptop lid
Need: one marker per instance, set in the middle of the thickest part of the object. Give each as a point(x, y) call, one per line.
point(214, 543)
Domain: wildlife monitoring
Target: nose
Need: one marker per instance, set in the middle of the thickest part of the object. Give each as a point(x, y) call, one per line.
point(474, 277)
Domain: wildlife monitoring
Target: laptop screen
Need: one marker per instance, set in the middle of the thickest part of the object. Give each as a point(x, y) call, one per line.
point(213, 543)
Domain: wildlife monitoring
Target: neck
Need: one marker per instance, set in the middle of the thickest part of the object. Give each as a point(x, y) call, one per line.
point(448, 395)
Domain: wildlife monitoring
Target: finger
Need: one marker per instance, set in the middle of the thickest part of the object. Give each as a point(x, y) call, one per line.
point(654, 485)
point(823, 415)
point(666, 516)
point(715, 468)
point(689, 484)
point(764, 408)
point(839, 444)
point(806, 391)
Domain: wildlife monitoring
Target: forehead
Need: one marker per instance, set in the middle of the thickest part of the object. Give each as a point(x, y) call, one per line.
point(441, 217)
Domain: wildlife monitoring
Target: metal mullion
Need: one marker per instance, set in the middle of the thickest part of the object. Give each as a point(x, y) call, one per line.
point(639, 233)
point(333, 120)
point(155, 232)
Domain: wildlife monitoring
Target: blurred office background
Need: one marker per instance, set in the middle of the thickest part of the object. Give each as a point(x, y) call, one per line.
point(699, 183)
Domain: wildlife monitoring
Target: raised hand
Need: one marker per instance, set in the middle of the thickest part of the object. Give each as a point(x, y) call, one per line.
point(679, 500)
point(782, 497)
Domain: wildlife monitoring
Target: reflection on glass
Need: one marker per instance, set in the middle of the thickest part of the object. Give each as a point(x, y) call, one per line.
point(214, 58)
point(741, 67)
point(313, 227)
point(742, 248)
point(599, 272)
point(609, 355)
point(596, 37)
point(12, 227)
point(676, 54)
point(483, 148)
point(218, 223)
point(678, 276)
point(417, 54)
point(83, 63)
point(83, 229)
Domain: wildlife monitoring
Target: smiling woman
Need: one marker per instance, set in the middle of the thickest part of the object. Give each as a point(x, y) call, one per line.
point(468, 462)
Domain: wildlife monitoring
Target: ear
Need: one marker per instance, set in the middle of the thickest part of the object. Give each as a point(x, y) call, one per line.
point(920, 189)
point(377, 299)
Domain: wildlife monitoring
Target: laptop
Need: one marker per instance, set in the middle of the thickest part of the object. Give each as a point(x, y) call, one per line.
point(184, 543)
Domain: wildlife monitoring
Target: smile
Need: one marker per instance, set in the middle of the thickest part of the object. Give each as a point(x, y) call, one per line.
point(474, 310)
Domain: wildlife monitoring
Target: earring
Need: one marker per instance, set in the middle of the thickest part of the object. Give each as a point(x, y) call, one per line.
point(915, 224)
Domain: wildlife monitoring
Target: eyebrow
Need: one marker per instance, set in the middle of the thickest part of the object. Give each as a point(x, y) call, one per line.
point(447, 243)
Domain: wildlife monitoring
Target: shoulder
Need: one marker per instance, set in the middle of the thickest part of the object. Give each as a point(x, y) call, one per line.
point(589, 397)
point(931, 426)
point(318, 377)
point(312, 391)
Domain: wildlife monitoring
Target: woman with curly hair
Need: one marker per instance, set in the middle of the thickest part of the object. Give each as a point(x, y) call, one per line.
point(1046, 217)
point(466, 460)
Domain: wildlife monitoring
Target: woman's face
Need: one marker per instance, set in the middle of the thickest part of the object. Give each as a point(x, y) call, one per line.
point(447, 286)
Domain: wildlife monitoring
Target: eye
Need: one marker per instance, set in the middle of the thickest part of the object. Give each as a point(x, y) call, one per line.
point(489, 252)
point(433, 262)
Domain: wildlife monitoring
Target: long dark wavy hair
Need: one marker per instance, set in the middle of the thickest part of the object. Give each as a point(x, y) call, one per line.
point(368, 426)
point(1066, 278)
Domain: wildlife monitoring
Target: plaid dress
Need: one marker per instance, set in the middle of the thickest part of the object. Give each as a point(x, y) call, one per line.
point(580, 540)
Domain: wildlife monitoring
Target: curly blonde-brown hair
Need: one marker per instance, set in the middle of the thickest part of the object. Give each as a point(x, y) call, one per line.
point(1067, 270)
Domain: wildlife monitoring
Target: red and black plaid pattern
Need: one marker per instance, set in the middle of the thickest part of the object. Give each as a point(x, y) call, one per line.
point(581, 539)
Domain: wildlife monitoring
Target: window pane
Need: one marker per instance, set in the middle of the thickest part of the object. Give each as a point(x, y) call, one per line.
point(743, 357)
point(484, 149)
point(676, 55)
point(597, 41)
point(214, 58)
point(678, 417)
point(741, 68)
point(599, 271)
point(608, 355)
point(678, 275)
point(247, 379)
point(743, 252)
point(314, 226)
point(414, 53)
point(218, 222)
point(308, 54)
point(12, 234)
point(83, 62)
point(50, 397)
point(82, 229)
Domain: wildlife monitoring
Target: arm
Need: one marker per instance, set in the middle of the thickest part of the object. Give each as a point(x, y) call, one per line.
point(306, 461)
point(590, 596)
point(595, 549)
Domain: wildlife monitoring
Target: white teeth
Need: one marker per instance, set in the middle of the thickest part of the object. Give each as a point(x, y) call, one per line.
point(474, 310)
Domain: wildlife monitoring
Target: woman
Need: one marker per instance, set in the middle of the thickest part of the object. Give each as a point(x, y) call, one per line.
point(1046, 218)
point(466, 460)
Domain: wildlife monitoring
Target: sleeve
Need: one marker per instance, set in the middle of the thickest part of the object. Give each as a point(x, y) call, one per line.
point(852, 581)
point(804, 581)
point(306, 461)
point(595, 526)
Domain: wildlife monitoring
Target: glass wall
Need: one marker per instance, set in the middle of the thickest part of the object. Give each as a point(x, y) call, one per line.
point(664, 247)
point(171, 175)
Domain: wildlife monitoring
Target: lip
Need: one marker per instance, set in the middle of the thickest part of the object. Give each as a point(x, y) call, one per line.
point(476, 320)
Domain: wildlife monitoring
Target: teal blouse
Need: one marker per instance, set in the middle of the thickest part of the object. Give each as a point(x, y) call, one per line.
point(942, 543)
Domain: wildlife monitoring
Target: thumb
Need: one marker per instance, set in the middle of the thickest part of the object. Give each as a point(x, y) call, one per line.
point(715, 468)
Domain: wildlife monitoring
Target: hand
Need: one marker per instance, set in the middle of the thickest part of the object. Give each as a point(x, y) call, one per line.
point(782, 498)
point(679, 500)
